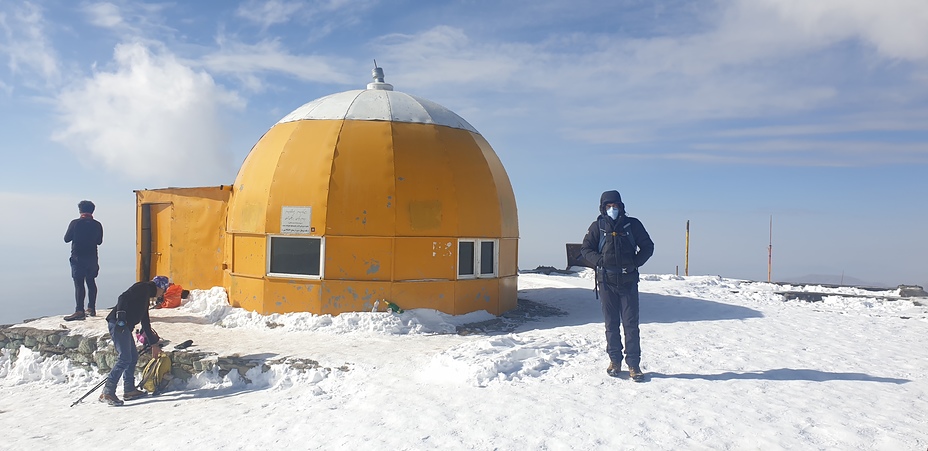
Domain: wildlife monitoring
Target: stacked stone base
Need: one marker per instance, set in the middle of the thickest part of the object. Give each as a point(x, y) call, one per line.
point(98, 354)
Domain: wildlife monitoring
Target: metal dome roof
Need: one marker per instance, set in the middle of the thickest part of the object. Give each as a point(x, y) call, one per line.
point(379, 102)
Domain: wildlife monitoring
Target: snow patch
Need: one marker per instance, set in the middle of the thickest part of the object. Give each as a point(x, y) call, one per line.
point(276, 377)
point(30, 366)
point(213, 306)
point(498, 359)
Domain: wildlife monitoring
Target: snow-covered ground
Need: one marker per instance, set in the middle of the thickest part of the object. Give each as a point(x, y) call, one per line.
point(731, 365)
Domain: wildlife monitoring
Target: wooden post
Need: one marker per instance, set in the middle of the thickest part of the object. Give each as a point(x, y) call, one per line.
point(686, 260)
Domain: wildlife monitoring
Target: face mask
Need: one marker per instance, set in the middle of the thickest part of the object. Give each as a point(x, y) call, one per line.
point(612, 212)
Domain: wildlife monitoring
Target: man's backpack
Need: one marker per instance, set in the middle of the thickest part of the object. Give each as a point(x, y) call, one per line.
point(155, 376)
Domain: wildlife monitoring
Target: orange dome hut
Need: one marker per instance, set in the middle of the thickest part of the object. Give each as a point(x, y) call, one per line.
point(365, 196)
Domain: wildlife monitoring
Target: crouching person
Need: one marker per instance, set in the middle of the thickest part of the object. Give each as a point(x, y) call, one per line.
point(131, 309)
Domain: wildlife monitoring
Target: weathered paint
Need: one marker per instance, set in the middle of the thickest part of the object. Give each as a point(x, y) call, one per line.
point(189, 232)
point(393, 182)
point(405, 192)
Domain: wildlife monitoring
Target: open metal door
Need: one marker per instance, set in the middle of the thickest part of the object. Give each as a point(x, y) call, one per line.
point(156, 240)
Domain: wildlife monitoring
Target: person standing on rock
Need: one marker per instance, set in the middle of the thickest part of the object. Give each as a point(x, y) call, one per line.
point(617, 245)
point(131, 309)
point(84, 234)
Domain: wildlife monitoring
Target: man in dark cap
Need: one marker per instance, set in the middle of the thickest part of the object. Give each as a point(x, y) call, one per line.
point(84, 234)
point(131, 309)
point(617, 245)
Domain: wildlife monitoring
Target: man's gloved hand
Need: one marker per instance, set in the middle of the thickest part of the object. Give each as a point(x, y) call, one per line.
point(121, 321)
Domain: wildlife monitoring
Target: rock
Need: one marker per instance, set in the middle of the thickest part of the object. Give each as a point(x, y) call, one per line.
point(46, 349)
point(912, 291)
point(180, 373)
point(70, 341)
point(87, 345)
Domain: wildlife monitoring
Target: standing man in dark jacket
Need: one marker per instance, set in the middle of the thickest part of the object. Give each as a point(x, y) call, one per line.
point(131, 309)
point(617, 245)
point(84, 234)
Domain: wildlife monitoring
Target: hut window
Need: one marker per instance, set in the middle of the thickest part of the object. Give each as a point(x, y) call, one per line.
point(466, 258)
point(295, 256)
point(476, 258)
point(487, 258)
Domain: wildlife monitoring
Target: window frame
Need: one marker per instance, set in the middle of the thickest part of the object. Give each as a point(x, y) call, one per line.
point(478, 259)
point(270, 250)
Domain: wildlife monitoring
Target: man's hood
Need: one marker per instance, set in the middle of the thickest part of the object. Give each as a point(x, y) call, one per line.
point(609, 197)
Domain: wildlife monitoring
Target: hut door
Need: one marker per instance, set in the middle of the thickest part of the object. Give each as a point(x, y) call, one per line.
point(161, 216)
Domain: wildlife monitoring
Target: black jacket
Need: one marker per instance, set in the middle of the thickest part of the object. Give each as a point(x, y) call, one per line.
point(134, 302)
point(617, 248)
point(84, 234)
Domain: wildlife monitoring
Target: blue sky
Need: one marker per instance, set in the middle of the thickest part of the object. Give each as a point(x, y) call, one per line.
point(723, 113)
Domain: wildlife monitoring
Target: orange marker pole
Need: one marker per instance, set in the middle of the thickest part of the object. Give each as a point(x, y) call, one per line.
point(686, 261)
point(770, 251)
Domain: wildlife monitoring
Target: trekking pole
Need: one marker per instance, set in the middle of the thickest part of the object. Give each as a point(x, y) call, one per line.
point(97, 387)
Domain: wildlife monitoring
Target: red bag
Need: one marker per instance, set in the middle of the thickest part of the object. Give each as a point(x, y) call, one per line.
point(172, 296)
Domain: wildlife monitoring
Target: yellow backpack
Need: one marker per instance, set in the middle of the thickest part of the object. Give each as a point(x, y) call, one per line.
point(153, 376)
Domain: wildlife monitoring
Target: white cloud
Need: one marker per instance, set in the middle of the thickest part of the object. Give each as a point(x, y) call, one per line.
point(789, 152)
point(150, 118)
point(896, 29)
point(745, 43)
point(29, 53)
point(323, 15)
point(268, 13)
point(104, 15)
point(246, 61)
point(445, 56)
point(128, 20)
point(870, 121)
point(768, 60)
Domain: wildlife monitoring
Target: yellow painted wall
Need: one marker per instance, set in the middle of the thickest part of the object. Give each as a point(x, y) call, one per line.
point(390, 199)
point(423, 206)
point(246, 292)
point(509, 218)
point(508, 257)
point(508, 293)
point(361, 183)
point(291, 295)
point(358, 258)
point(474, 188)
point(476, 294)
point(306, 157)
point(249, 255)
point(352, 296)
point(438, 295)
point(423, 258)
point(189, 224)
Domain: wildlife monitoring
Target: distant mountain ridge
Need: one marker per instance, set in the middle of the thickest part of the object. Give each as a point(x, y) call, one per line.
point(830, 279)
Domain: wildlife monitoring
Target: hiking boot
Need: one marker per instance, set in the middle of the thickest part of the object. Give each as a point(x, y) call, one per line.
point(110, 399)
point(90, 312)
point(614, 369)
point(635, 373)
point(75, 316)
point(133, 394)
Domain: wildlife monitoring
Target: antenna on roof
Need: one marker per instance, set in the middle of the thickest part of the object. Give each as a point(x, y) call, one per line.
point(377, 75)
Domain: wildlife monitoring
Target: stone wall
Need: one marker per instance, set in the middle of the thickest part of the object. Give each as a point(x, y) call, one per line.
point(98, 354)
